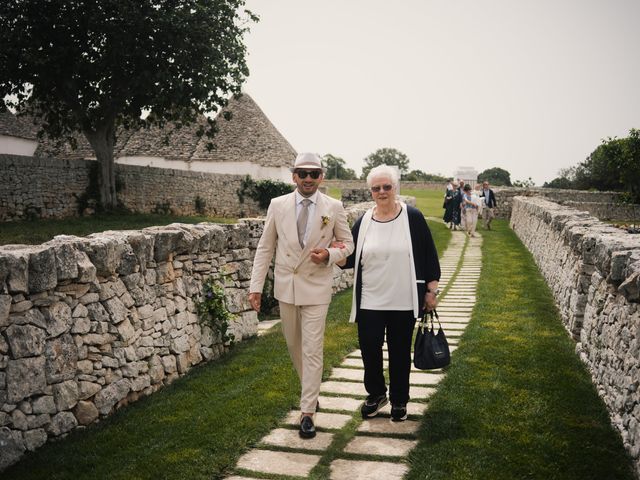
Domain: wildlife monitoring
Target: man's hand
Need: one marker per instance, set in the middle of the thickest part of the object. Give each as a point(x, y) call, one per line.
point(319, 255)
point(255, 299)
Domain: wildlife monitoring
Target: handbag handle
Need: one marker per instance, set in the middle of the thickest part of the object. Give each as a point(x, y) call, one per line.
point(429, 315)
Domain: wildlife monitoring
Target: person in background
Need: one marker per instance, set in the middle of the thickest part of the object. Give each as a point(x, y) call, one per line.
point(457, 206)
point(489, 198)
point(470, 208)
point(448, 204)
point(395, 280)
point(299, 229)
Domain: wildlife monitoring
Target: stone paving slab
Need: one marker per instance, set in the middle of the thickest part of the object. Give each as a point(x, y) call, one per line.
point(348, 373)
point(413, 408)
point(455, 327)
point(392, 447)
point(359, 470)
point(353, 388)
point(236, 477)
point(455, 314)
point(385, 425)
point(356, 362)
point(420, 392)
point(450, 319)
point(285, 437)
point(358, 354)
point(320, 419)
point(279, 463)
point(266, 325)
point(346, 388)
point(425, 378)
point(339, 403)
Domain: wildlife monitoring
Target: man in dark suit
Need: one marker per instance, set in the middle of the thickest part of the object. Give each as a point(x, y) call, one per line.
point(489, 204)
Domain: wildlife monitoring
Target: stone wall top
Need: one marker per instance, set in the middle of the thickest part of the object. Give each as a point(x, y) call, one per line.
point(614, 252)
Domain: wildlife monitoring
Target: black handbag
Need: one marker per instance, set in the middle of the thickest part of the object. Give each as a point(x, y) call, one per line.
point(430, 350)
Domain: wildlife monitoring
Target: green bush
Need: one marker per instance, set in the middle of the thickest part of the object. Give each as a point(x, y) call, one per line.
point(213, 312)
point(200, 205)
point(262, 191)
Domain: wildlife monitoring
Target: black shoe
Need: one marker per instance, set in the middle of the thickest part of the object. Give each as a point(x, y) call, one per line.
point(398, 412)
point(372, 406)
point(307, 428)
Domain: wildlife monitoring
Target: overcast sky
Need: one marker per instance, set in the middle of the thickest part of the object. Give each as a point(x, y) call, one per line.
point(528, 86)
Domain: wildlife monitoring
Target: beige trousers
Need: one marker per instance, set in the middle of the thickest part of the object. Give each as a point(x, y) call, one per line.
point(487, 215)
point(303, 329)
point(471, 218)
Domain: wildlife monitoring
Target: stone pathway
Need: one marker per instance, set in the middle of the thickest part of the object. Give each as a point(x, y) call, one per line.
point(282, 452)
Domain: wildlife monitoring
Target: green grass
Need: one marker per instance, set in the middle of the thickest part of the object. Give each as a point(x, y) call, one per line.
point(441, 235)
point(428, 201)
point(197, 427)
point(38, 231)
point(516, 401)
point(335, 192)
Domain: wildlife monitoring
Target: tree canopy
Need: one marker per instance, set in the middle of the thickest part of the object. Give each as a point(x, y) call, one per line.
point(386, 156)
point(92, 67)
point(614, 166)
point(335, 168)
point(420, 176)
point(495, 176)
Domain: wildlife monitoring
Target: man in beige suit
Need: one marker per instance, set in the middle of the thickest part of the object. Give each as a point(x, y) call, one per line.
point(300, 228)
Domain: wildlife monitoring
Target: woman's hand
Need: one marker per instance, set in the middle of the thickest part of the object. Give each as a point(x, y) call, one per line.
point(340, 245)
point(430, 301)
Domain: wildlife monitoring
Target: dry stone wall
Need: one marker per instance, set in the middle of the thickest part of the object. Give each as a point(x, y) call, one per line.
point(33, 187)
point(147, 189)
point(593, 270)
point(90, 324)
point(604, 205)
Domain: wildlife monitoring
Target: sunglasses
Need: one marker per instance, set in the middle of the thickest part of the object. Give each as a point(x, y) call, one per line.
point(386, 187)
point(315, 174)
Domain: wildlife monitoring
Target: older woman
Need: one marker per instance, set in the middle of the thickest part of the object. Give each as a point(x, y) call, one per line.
point(471, 205)
point(396, 278)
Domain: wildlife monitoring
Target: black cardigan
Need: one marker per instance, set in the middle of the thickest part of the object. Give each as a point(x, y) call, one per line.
point(425, 256)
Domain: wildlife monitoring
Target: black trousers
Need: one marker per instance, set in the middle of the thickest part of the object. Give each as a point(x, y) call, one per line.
point(398, 325)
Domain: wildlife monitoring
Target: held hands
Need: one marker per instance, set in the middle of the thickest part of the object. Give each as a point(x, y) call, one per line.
point(319, 255)
point(255, 299)
point(340, 245)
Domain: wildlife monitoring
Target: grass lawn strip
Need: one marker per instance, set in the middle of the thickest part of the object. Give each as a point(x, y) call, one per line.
point(516, 401)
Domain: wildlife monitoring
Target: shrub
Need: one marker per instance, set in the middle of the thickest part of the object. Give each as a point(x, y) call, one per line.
point(200, 205)
point(262, 191)
point(213, 312)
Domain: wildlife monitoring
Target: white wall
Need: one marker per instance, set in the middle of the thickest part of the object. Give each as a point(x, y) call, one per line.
point(17, 146)
point(257, 172)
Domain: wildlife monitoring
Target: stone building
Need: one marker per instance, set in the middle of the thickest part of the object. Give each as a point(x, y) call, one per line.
point(246, 144)
point(468, 174)
point(17, 135)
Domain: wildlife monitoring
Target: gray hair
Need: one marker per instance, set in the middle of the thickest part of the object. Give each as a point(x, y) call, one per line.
point(384, 171)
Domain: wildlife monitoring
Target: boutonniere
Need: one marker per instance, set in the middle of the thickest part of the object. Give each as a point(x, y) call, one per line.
point(325, 220)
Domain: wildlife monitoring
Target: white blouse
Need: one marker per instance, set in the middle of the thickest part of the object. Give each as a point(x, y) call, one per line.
point(386, 264)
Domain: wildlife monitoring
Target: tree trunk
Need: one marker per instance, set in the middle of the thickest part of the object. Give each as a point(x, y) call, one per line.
point(102, 141)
